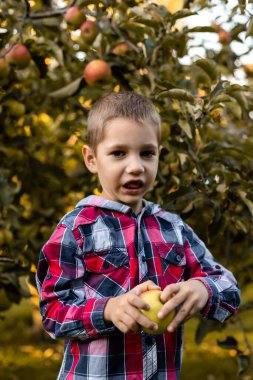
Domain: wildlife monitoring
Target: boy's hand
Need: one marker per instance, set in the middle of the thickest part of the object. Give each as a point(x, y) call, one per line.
point(124, 311)
point(191, 296)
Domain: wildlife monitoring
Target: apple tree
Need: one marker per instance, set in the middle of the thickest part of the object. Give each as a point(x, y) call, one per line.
point(58, 57)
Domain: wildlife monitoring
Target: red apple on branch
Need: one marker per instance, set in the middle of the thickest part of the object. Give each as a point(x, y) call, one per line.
point(88, 31)
point(18, 56)
point(121, 49)
point(96, 70)
point(74, 17)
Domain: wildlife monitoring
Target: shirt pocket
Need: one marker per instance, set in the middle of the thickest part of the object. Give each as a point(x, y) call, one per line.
point(106, 273)
point(173, 261)
point(106, 262)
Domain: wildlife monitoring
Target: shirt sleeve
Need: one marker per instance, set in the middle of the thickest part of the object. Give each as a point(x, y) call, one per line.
point(65, 310)
point(223, 290)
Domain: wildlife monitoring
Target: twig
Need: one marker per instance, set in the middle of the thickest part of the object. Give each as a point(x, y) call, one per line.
point(197, 163)
point(58, 12)
point(248, 345)
point(121, 35)
point(30, 15)
point(27, 5)
point(19, 34)
point(193, 155)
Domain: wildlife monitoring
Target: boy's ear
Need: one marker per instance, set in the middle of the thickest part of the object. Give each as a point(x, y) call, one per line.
point(89, 158)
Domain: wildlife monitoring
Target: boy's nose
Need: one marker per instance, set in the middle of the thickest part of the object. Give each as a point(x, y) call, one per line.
point(135, 166)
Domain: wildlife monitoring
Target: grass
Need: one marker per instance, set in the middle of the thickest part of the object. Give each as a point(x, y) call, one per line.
point(24, 354)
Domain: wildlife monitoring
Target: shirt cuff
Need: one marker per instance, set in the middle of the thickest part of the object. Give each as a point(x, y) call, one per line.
point(209, 310)
point(94, 322)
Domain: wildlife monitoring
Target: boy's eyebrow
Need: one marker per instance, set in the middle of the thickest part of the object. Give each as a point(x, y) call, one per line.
point(123, 146)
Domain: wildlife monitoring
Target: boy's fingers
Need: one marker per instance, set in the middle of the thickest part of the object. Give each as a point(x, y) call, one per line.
point(141, 319)
point(137, 302)
point(145, 322)
point(185, 311)
point(123, 327)
point(169, 292)
point(171, 305)
point(131, 323)
point(148, 285)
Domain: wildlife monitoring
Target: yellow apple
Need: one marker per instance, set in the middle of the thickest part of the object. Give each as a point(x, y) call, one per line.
point(152, 297)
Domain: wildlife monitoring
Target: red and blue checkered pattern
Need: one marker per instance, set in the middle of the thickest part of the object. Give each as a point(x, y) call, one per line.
point(102, 249)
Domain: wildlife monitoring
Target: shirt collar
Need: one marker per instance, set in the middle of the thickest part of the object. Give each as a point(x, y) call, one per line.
point(149, 208)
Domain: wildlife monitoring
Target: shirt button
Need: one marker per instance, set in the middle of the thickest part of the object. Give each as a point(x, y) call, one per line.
point(178, 258)
point(105, 265)
point(143, 258)
point(48, 276)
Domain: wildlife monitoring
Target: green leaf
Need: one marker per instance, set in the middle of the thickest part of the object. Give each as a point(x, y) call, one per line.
point(230, 88)
point(201, 29)
point(183, 13)
point(249, 31)
point(67, 90)
point(176, 93)
point(240, 98)
point(218, 99)
point(51, 22)
point(148, 22)
point(186, 128)
point(209, 67)
point(229, 343)
point(246, 200)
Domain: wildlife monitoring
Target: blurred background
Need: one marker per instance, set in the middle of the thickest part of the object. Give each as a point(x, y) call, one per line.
point(194, 60)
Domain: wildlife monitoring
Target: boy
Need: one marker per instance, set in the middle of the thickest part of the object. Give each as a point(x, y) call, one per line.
point(113, 247)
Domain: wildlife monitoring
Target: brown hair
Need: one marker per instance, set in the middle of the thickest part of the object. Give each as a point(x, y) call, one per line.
point(126, 104)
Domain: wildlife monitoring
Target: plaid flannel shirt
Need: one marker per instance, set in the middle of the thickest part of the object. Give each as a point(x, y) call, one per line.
point(102, 249)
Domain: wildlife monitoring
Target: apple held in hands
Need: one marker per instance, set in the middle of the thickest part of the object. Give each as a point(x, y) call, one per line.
point(152, 297)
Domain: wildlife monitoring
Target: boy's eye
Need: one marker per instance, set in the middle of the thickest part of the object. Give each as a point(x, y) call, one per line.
point(118, 153)
point(148, 153)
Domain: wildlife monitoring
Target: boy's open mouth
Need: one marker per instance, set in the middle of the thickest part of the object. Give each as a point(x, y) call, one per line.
point(133, 185)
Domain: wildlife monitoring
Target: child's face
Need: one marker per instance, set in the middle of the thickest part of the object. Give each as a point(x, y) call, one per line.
point(126, 161)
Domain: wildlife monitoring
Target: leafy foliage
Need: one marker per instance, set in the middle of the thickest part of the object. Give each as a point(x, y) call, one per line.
point(206, 168)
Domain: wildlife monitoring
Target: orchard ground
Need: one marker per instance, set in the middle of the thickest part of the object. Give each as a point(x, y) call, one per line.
point(25, 354)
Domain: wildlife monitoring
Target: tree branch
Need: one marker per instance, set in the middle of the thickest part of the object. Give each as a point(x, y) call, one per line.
point(27, 5)
point(246, 340)
point(55, 13)
point(121, 35)
point(34, 16)
point(19, 34)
